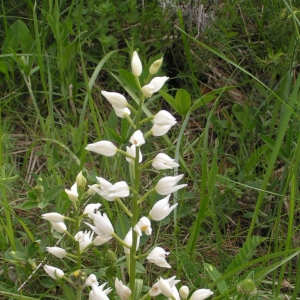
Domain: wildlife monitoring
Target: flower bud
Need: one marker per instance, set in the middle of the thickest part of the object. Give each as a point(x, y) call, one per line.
point(53, 272)
point(158, 257)
point(154, 68)
point(144, 224)
point(110, 258)
point(132, 151)
point(117, 100)
point(122, 112)
point(136, 65)
point(154, 86)
point(57, 251)
point(91, 190)
point(163, 117)
point(122, 290)
point(92, 207)
point(184, 292)
point(161, 209)
point(137, 138)
point(72, 193)
point(165, 287)
point(157, 130)
point(80, 180)
point(105, 148)
point(53, 217)
point(201, 294)
point(247, 287)
point(59, 227)
point(163, 161)
point(167, 185)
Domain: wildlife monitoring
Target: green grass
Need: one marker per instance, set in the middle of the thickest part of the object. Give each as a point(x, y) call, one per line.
point(237, 145)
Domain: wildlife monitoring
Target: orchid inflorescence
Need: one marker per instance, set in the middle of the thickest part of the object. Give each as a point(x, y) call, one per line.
point(99, 228)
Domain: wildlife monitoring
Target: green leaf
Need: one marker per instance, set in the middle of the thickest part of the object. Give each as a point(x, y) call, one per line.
point(169, 99)
point(271, 144)
point(245, 253)
point(122, 225)
point(114, 135)
point(17, 35)
point(138, 286)
point(190, 269)
point(183, 101)
point(128, 79)
point(33, 248)
point(214, 274)
point(67, 56)
point(3, 69)
point(29, 205)
point(52, 193)
point(211, 96)
point(16, 255)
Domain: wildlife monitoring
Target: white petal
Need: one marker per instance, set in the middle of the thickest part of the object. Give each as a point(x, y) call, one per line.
point(137, 138)
point(105, 148)
point(132, 151)
point(91, 208)
point(161, 209)
point(163, 161)
point(158, 130)
point(57, 251)
point(154, 86)
point(122, 112)
point(136, 65)
point(59, 227)
point(53, 217)
point(53, 272)
point(103, 224)
point(117, 100)
point(167, 185)
point(163, 117)
point(201, 294)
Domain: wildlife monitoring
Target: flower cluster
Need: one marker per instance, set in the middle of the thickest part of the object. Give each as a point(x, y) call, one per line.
point(100, 226)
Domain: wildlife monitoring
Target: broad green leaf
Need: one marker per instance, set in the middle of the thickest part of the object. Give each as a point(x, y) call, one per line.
point(18, 34)
point(16, 255)
point(68, 55)
point(52, 193)
point(114, 135)
point(214, 274)
point(183, 101)
point(122, 225)
point(33, 248)
point(128, 80)
point(169, 99)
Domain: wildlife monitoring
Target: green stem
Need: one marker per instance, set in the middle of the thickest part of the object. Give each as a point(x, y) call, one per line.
point(145, 296)
point(130, 121)
point(137, 81)
point(120, 241)
point(135, 206)
point(147, 134)
point(125, 154)
point(145, 196)
point(132, 109)
point(123, 206)
point(146, 165)
point(147, 120)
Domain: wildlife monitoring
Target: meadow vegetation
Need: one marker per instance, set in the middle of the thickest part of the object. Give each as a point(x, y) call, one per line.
point(233, 88)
